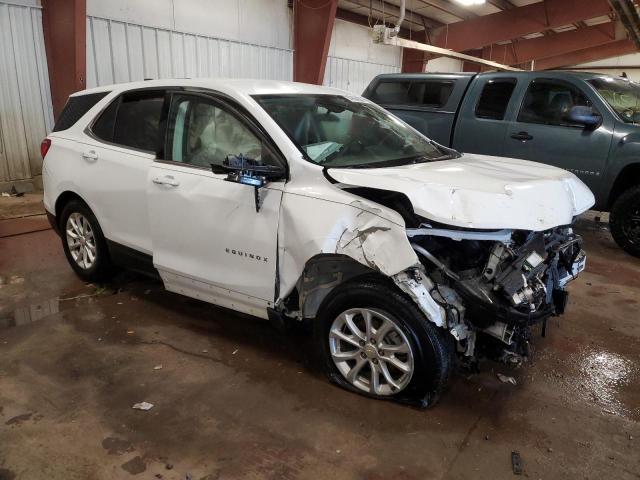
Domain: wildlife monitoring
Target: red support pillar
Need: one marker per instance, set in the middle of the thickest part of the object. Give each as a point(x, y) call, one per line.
point(65, 37)
point(312, 27)
point(413, 61)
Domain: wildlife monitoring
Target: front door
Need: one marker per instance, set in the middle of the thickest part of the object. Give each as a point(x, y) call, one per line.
point(542, 132)
point(209, 240)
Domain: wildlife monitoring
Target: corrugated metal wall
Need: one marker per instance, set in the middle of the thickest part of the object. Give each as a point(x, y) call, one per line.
point(121, 52)
point(26, 114)
point(353, 75)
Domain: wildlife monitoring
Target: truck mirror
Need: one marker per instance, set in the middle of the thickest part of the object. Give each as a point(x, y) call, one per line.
point(585, 116)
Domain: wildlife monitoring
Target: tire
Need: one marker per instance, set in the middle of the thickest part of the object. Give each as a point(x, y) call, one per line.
point(430, 349)
point(624, 221)
point(78, 219)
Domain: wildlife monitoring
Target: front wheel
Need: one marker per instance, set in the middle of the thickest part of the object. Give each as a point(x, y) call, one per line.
point(376, 342)
point(624, 221)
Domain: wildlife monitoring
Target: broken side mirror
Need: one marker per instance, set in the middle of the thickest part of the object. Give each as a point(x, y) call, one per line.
point(249, 171)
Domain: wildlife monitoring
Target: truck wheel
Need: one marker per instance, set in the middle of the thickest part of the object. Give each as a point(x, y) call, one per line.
point(624, 221)
point(83, 242)
point(376, 342)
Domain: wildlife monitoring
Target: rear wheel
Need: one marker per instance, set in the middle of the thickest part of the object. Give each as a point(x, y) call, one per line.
point(376, 342)
point(624, 221)
point(83, 242)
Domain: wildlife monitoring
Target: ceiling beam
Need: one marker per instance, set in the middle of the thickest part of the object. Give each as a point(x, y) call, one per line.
point(525, 51)
point(381, 7)
point(517, 22)
point(613, 49)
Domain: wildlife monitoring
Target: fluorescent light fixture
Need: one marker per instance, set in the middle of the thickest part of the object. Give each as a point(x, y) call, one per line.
point(468, 3)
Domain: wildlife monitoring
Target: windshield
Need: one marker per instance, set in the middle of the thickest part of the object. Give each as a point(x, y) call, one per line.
point(334, 131)
point(622, 95)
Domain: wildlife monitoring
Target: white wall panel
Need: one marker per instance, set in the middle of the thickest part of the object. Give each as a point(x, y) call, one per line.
point(354, 59)
point(121, 52)
point(264, 22)
point(353, 75)
point(26, 114)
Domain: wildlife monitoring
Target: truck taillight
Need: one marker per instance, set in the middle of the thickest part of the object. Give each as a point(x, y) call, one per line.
point(44, 147)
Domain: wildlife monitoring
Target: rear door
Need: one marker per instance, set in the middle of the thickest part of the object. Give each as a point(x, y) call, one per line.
point(210, 241)
point(542, 132)
point(482, 121)
point(114, 159)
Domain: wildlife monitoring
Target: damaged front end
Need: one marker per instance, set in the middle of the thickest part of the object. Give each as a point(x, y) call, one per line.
point(488, 288)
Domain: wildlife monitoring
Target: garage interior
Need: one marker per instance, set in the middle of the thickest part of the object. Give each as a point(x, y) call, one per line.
point(232, 396)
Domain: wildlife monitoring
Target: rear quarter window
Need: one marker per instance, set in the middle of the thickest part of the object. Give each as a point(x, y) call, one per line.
point(75, 109)
point(431, 93)
point(132, 120)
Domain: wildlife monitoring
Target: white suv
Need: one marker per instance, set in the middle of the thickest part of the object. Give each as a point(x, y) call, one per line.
point(291, 201)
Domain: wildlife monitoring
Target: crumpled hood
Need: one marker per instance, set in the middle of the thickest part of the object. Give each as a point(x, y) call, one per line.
point(479, 191)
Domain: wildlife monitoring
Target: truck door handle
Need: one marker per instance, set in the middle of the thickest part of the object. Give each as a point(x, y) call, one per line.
point(166, 180)
point(522, 136)
point(90, 156)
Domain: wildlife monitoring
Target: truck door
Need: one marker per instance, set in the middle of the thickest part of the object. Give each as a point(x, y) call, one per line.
point(482, 124)
point(542, 132)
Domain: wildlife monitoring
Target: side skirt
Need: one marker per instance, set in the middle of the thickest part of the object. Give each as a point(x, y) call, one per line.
point(132, 259)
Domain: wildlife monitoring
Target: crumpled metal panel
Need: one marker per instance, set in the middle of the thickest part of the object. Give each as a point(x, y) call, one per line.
point(26, 113)
point(122, 52)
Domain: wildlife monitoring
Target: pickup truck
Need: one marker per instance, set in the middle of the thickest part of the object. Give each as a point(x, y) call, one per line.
point(586, 123)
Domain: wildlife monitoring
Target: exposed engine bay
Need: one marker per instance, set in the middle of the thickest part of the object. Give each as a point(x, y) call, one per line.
point(495, 285)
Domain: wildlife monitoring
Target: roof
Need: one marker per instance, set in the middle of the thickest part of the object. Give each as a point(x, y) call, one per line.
point(452, 76)
point(238, 86)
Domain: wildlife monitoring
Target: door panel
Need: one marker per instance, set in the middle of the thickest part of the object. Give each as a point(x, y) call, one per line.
point(208, 240)
point(542, 133)
point(117, 178)
point(482, 124)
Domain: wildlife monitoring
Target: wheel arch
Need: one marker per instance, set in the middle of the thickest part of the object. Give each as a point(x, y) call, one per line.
point(321, 275)
point(63, 199)
point(628, 177)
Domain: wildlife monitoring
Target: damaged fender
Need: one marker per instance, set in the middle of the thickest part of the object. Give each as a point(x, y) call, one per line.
point(372, 235)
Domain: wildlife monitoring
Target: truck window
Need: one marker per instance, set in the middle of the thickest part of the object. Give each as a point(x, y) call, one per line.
point(430, 93)
point(549, 102)
point(494, 98)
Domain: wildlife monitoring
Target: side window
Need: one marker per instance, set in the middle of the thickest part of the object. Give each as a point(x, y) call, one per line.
point(424, 93)
point(550, 101)
point(201, 133)
point(494, 98)
point(75, 108)
point(132, 120)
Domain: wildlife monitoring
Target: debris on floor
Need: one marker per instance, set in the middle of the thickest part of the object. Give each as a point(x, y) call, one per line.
point(516, 463)
point(506, 379)
point(143, 406)
point(158, 367)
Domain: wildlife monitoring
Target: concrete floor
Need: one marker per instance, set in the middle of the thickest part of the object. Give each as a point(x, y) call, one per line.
point(235, 399)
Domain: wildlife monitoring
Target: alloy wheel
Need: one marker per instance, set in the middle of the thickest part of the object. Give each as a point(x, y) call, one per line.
point(81, 240)
point(371, 351)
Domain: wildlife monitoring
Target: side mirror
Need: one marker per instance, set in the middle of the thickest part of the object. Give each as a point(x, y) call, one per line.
point(585, 116)
point(249, 171)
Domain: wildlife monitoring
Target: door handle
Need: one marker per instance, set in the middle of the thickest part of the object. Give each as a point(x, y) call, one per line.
point(166, 180)
point(522, 136)
point(90, 156)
